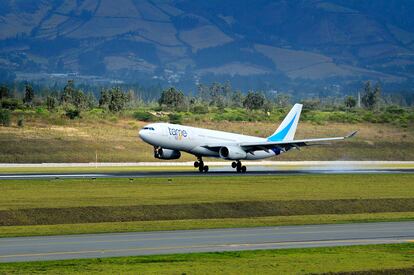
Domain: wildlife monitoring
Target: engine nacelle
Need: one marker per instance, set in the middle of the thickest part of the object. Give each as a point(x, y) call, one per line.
point(161, 153)
point(232, 152)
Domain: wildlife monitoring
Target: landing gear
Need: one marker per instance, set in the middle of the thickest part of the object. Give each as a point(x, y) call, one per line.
point(239, 167)
point(200, 165)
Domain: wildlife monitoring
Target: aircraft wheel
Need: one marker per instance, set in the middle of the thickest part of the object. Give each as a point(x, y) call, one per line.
point(243, 169)
point(196, 164)
point(201, 166)
point(238, 169)
point(233, 164)
point(205, 168)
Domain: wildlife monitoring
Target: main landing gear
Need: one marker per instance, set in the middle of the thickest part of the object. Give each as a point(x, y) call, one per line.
point(239, 167)
point(200, 165)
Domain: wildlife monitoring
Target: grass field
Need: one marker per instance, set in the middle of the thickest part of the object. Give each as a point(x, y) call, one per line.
point(390, 259)
point(109, 169)
point(24, 194)
point(117, 141)
point(85, 206)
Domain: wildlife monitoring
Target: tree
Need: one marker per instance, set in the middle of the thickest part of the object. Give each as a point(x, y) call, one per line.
point(104, 99)
point(79, 100)
point(267, 106)
point(114, 100)
point(371, 97)
point(172, 98)
point(282, 100)
point(311, 104)
point(377, 94)
point(68, 92)
point(254, 101)
point(237, 99)
point(203, 92)
point(90, 100)
point(217, 95)
point(28, 95)
point(118, 100)
point(4, 92)
point(51, 102)
point(350, 102)
point(5, 117)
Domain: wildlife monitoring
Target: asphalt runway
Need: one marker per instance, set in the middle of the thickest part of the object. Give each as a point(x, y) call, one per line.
point(214, 171)
point(208, 240)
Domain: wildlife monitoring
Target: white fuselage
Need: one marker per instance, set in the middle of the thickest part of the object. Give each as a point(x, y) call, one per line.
point(194, 140)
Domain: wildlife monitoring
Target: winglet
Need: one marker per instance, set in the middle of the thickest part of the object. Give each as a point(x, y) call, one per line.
point(351, 134)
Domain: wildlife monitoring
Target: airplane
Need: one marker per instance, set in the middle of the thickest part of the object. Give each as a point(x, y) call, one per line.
point(170, 139)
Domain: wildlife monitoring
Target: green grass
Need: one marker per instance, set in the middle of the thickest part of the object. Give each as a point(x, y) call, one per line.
point(23, 194)
point(92, 169)
point(285, 261)
point(136, 226)
point(119, 205)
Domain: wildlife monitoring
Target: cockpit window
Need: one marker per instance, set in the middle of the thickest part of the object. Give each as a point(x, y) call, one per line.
point(148, 128)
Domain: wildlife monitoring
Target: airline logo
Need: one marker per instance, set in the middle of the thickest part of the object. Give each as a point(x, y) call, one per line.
point(279, 136)
point(177, 133)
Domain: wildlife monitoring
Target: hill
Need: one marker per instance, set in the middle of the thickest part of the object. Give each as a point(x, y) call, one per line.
point(265, 44)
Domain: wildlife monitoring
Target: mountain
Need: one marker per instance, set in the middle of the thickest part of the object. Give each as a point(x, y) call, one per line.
point(266, 44)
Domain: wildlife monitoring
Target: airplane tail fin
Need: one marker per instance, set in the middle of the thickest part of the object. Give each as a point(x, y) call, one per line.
point(287, 129)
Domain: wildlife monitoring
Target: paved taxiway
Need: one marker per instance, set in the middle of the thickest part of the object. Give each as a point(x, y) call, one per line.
point(208, 240)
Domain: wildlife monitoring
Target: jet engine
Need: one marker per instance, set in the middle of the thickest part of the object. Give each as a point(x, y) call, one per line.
point(162, 153)
point(232, 152)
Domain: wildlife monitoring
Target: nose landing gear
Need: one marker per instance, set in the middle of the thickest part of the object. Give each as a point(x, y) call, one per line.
point(200, 165)
point(239, 167)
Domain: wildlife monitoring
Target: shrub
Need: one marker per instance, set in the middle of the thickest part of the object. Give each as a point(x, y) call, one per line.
point(395, 110)
point(347, 117)
point(95, 113)
point(41, 111)
point(144, 116)
point(230, 117)
point(5, 117)
point(10, 103)
point(20, 121)
point(72, 113)
point(175, 118)
point(200, 109)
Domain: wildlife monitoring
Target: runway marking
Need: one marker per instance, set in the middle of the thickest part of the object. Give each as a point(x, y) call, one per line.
point(186, 237)
point(373, 241)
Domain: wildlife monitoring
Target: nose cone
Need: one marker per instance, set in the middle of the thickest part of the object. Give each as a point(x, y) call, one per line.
point(141, 134)
point(144, 135)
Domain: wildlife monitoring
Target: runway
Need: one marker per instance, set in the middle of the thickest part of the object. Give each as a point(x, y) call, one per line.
point(253, 171)
point(208, 240)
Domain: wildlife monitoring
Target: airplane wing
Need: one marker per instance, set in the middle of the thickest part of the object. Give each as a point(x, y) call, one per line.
point(286, 145)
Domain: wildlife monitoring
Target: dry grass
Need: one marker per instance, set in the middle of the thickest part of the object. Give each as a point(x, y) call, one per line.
point(78, 141)
point(200, 211)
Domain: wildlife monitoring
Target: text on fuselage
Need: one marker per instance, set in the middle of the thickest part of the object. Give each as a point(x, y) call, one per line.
point(177, 133)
